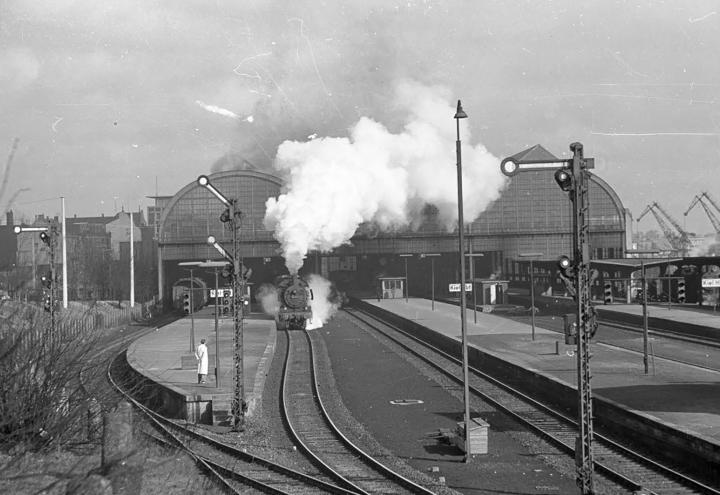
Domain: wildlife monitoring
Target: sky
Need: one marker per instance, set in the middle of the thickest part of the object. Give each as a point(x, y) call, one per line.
point(118, 100)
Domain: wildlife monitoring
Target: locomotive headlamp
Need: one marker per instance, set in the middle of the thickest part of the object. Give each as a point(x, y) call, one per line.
point(563, 179)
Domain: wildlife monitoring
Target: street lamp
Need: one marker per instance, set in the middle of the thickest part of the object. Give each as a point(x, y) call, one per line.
point(216, 265)
point(644, 300)
point(432, 257)
point(532, 288)
point(232, 216)
point(407, 287)
point(191, 265)
point(460, 114)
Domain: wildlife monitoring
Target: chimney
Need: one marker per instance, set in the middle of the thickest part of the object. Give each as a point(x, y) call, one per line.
point(9, 217)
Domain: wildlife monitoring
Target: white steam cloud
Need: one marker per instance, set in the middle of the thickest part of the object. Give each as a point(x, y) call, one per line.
point(335, 184)
point(269, 298)
point(325, 301)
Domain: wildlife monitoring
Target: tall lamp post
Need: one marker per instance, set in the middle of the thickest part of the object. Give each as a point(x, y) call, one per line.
point(407, 286)
point(644, 301)
point(432, 257)
point(190, 266)
point(460, 114)
point(231, 215)
point(532, 256)
point(216, 265)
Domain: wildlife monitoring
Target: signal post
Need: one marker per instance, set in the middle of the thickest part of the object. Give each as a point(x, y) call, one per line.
point(231, 216)
point(572, 177)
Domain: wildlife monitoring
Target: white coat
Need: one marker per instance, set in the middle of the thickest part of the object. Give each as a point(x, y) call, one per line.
point(202, 356)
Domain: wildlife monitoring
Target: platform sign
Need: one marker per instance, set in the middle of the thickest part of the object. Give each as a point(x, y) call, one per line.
point(456, 287)
point(710, 282)
point(223, 293)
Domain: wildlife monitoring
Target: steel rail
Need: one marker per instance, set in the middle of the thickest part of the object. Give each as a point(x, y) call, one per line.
point(166, 425)
point(360, 464)
point(612, 446)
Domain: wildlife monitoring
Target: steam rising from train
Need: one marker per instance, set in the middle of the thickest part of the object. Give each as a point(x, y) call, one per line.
point(334, 184)
point(298, 302)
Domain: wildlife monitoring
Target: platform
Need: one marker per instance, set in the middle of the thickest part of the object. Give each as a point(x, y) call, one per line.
point(158, 357)
point(684, 397)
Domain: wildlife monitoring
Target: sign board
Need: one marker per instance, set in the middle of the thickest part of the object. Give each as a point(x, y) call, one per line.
point(710, 282)
point(222, 292)
point(456, 287)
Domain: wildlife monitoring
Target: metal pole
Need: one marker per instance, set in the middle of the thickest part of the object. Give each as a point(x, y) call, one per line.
point(64, 254)
point(132, 267)
point(580, 201)
point(238, 403)
point(472, 279)
point(432, 280)
point(217, 334)
point(407, 288)
point(532, 299)
point(645, 317)
point(461, 229)
point(192, 312)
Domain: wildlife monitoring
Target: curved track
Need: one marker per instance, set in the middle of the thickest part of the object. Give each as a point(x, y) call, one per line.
point(309, 423)
point(618, 463)
point(234, 469)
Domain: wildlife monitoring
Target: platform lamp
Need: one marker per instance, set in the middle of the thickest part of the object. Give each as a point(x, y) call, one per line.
point(644, 300)
point(432, 257)
point(407, 286)
point(531, 256)
point(216, 265)
point(190, 266)
point(460, 114)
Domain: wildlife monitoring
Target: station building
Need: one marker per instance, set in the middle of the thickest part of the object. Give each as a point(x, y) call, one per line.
point(532, 217)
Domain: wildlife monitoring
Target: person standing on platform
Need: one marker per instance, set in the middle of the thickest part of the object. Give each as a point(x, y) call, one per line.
point(202, 356)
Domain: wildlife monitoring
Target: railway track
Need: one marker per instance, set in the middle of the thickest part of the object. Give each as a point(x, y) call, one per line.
point(624, 467)
point(234, 469)
point(315, 433)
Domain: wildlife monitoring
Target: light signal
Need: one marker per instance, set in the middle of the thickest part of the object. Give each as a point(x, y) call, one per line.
point(608, 293)
point(186, 303)
point(681, 290)
point(564, 179)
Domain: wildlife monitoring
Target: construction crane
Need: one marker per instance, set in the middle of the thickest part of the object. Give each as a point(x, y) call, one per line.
point(678, 238)
point(711, 215)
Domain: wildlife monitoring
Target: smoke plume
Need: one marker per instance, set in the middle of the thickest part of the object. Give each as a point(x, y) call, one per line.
point(336, 183)
point(269, 299)
point(325, 302)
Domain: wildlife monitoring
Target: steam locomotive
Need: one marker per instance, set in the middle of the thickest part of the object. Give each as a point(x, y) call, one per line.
point(294, 295)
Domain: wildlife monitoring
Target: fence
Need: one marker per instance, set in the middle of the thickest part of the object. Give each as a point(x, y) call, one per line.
point(34, 325)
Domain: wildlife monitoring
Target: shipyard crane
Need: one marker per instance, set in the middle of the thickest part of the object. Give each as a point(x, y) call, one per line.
point(711, 215)
point(678, 239)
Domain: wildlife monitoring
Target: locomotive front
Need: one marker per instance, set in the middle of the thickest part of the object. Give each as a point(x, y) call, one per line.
point(295, 295)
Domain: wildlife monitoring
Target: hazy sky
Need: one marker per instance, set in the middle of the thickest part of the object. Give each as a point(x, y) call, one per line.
point(108, 96)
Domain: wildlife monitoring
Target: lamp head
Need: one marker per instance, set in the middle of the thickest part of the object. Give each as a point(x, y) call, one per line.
point(460, 113)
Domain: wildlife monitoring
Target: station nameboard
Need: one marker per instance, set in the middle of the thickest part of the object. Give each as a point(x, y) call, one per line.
point(710, 282)
point(456, 287)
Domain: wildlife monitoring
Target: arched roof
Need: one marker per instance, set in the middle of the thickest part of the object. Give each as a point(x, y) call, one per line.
point(193, 212)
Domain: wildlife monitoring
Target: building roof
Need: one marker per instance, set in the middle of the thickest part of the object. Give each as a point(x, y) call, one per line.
point(535, 154)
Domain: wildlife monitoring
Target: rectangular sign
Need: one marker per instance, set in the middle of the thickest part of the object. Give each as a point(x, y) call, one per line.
point(456, 287)
point(711, 282)
point(223, 292)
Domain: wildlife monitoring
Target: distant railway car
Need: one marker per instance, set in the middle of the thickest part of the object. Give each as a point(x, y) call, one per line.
point(295, 295)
